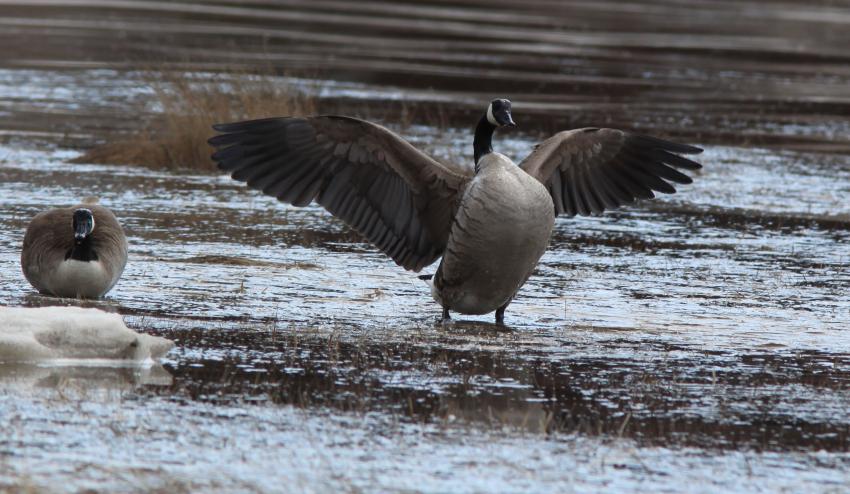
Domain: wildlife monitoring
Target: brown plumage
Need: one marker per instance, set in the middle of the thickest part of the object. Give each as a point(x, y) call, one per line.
point(588, 171)
point(396, 196)
point(47, 261)
point(415, 209)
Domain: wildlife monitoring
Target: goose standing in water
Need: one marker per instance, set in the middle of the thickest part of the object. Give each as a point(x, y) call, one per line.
point(77, 252)
point(490, 223)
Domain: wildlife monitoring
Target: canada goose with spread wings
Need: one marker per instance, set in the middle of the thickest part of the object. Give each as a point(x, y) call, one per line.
point(490, 222)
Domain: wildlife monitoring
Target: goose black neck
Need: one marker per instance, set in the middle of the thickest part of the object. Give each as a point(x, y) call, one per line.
point(82, 251)
point(483, 143)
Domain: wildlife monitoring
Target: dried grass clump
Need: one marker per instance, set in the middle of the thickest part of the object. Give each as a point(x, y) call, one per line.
point(189, 104)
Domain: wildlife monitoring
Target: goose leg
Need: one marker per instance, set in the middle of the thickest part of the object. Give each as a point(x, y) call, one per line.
point(446, 316)
point(500, 314)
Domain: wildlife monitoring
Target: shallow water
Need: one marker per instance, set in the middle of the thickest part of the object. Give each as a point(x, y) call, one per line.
point(695, 343)
point(684, 334)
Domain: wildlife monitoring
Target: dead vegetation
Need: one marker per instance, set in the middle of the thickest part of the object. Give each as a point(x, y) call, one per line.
point(187, 106)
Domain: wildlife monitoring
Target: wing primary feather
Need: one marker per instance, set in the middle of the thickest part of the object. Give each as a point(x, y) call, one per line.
point(668, 173)
point(586, 188)
point(333, 195)
point(423, 245)
point(399, 195)
point(349, 203)
point(295, 185)
point(257, 166)
point(580, 205)
point(300, 175)
point(625, 180)
point(371, 227)
point(675, 160)
point(386, 239)
point(403, 220)
point(650, 181)
point(263, 124)
point(240, 157)
point(602, 189)
point(309, 193)
point(615, 191)
point(230, 154)
point(398, 249)
point(654, 142)
point(253, 138)
point(270, 179)
point(569, 202)
point(406, 256)
point(359, 216)
point(224, 140)
point(378, 192)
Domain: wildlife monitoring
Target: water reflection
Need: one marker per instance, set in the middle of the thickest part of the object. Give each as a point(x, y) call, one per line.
point(84, 378)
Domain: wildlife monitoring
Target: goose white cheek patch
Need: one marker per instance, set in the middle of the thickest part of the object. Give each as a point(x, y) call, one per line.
point(490, 117)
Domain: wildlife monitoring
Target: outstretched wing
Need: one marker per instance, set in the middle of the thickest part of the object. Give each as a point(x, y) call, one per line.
point(590, 170)
point(399, 198)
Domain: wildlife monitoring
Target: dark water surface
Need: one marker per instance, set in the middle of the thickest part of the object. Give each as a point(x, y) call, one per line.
point(695, 343)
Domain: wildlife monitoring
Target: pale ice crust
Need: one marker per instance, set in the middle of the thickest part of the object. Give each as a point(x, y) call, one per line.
point(47, 333)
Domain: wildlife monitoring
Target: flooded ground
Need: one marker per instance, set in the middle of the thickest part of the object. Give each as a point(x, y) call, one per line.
point(695, 343)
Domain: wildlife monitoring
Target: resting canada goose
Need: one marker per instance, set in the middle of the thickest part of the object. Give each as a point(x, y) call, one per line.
point(490, 223)
point(77, 252)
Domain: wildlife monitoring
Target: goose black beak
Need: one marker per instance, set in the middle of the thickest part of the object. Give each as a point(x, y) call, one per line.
point(504, 119)
point(83, 224)
point(81, 231)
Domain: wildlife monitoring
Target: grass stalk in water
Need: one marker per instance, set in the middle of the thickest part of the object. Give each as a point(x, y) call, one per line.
point(186, 107)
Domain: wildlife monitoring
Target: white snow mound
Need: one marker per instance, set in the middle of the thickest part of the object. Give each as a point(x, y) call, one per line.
point(31, 334)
